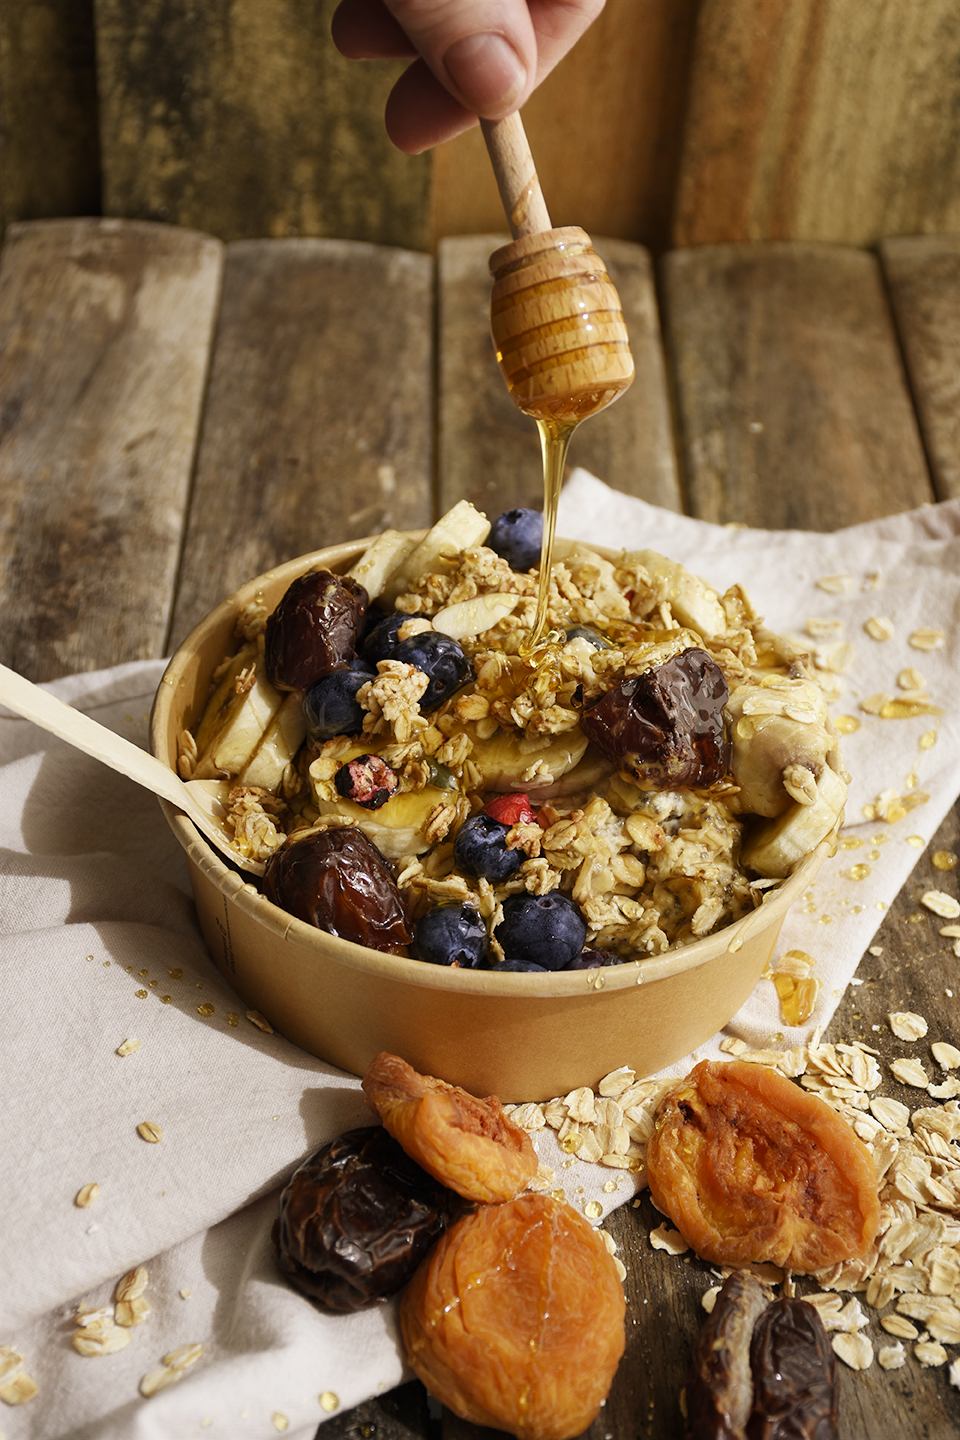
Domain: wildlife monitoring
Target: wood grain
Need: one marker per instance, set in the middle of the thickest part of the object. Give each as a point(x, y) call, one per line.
point(487, 450)
point(923, 277)
point(48, 110)
point(106, 331)
point(605, 128)
point(793, 407)
point(240, 118)
point(318, 424)
point(820, 120)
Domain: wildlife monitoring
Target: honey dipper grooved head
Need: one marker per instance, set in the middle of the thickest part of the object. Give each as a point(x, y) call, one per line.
point(558, 326)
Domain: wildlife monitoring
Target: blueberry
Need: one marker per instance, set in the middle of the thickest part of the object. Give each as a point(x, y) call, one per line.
point(451, 935)
point(382, 639)
point(441, 659)
point(517, 536)
point(513, 966)
point(330, 706)
point(546, 929)
point(593, 959)
point(480, 849)
point(593, 639)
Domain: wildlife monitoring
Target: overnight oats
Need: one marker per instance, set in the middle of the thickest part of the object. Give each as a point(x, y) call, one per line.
point(414, 780)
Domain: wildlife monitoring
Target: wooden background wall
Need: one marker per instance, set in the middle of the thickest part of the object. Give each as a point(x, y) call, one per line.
point(673, 123)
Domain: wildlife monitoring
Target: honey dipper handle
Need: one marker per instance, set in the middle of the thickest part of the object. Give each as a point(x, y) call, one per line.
point(516, 176)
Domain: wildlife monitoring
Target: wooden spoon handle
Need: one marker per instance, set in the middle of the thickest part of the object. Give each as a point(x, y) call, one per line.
point(516, 175)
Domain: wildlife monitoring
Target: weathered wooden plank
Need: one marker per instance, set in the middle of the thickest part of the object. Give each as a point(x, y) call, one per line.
point(605, 128)
point(48, 110)
point(489, 451)
point(793, 407)
point(106, 332)
point(318, 424)
point(923, 277)
point(240, 118)
point(820, 120)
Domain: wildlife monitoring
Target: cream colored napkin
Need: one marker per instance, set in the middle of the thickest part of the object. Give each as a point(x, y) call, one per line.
point(99, 945)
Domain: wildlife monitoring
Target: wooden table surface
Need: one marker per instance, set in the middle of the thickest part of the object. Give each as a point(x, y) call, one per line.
point(179, 415)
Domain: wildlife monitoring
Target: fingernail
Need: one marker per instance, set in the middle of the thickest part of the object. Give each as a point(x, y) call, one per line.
point(487, 72)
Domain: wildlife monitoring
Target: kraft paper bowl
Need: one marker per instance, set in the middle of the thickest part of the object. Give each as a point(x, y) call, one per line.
point(519, 1036)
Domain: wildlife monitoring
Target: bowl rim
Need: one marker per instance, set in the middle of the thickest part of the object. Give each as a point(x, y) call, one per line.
point(234, 885)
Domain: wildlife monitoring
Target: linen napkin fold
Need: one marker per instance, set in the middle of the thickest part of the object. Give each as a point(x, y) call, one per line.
point(100, 946)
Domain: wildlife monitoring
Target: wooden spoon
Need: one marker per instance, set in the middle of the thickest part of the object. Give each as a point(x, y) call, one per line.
point(555, 313)
point(198, 799)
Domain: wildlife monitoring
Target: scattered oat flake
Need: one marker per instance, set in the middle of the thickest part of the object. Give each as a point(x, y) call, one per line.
point(184, 1356)
point(900, 1326)
point(329, 1401)
point(929, 1353)
point(666, 1238)
point(926, 639)
point(835, 584)
point(878, 627)
point(150, 1131)
point(910, 679)
point(280, 1422)
point(910, 1072)
point(86, 1195)
point(947, 1056)
point(132, 1285)
point(261, 1023)
point(128, 1047)
point(906, 1025)
point(941, 904)
point(854, 1350)
point(18, 1389)
point(892, 1357)
point(158, 1380)
point(102, 1339)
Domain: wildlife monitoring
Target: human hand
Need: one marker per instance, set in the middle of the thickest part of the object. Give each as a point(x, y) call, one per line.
point(470, 57)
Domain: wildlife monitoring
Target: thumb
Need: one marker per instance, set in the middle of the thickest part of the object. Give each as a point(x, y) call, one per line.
point(484, 52)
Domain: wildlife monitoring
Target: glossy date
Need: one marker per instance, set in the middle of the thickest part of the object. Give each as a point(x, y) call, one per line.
point(338, 881)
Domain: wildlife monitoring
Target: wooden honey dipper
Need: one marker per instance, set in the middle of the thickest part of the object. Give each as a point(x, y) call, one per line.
point(561, 340)
point(557, 323)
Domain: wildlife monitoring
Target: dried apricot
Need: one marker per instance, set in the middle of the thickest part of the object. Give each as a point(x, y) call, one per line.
point(467, 1144)
point(515, 1319)
point(750, 1167)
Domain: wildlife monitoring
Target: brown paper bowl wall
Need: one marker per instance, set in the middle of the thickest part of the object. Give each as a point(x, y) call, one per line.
point(522, 1037)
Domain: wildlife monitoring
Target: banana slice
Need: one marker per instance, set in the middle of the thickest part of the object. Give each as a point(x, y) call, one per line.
point(380, 559)
point(281, 741)
point(506, 759)
point(397, 827)
point(692, 600)
point(467, 618)
point(461, 528)
point(781, 739)
point(233, 723)
point(775, 847)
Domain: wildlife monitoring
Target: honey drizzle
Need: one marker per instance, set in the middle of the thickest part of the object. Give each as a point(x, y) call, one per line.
point(554, 442)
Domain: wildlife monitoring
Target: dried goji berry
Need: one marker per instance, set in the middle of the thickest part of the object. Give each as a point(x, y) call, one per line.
point(511, 809)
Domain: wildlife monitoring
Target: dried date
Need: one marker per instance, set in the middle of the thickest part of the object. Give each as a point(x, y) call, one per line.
point(794, 1375)
point(720, 1388)
point(761, 1370)
point(314, 629)
point(665, 728)
point(467, 1144)
point(356, 1219)
point(751, 1167)
point(516, 1319)
point(338, 881)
